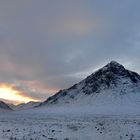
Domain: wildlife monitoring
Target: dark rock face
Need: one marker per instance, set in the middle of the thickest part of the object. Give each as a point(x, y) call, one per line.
point(105, 78)
point(133, 76)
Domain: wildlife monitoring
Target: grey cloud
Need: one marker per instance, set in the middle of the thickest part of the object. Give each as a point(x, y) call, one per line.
point(48, 41)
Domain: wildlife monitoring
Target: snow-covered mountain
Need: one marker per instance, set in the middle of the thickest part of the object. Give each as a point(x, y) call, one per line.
point(110, 85)
point(4, 106)
point(24, 106)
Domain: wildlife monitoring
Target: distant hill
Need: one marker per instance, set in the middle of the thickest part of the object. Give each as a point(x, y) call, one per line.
point(25, 106)
point(4, 106)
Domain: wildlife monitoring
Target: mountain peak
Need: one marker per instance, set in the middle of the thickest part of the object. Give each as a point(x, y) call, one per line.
point(111, 81)
point(115, 64)
point(112, 74)
point(113, 67)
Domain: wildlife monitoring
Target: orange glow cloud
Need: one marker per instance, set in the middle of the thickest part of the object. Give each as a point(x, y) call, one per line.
point(39, 86)
point(8, 92)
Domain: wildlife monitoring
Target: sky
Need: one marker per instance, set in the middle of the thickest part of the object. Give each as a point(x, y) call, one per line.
point(48, 45)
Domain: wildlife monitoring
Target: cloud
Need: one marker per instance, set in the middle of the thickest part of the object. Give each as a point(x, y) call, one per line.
point(10, 92)
point(50, 45)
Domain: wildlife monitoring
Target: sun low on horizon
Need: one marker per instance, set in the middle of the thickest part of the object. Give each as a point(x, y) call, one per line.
point(7, 92)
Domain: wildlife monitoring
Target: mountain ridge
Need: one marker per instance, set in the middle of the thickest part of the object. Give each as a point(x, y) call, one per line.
point(25, 106)
point(112, 80)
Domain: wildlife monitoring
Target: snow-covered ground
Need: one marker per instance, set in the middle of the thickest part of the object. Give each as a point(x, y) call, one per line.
point(61, 124)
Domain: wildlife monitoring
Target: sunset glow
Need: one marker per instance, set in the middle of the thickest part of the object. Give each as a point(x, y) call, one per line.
point(9, 93)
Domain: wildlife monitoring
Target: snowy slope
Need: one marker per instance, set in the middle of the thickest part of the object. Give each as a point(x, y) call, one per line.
point(112, 85)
